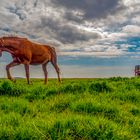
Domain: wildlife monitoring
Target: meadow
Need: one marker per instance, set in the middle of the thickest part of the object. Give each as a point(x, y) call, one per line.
point(77, 109)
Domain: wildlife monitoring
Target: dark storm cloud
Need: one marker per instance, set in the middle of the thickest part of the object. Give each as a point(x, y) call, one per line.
point(92, 8)
point(71, 17)
point(67, 33)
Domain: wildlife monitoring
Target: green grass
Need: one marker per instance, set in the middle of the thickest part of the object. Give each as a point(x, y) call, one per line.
point(77, 109)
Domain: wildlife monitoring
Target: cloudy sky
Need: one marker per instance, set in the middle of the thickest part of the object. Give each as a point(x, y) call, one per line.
point(93, 38)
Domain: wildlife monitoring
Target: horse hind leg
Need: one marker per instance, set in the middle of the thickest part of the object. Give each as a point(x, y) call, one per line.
point(57, 70)
point(27, 73)
point(45, 72)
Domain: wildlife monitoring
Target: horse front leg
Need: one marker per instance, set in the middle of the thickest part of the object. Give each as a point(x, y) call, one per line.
point(12, 64)
point(27, 72)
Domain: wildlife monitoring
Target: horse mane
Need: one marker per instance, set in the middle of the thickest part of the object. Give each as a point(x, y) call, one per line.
point(14, 38)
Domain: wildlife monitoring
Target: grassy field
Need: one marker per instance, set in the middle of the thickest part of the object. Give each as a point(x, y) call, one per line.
point(80, 109)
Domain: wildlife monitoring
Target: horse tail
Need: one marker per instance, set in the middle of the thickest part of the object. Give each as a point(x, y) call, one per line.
point(53, 59)
point(53, 54)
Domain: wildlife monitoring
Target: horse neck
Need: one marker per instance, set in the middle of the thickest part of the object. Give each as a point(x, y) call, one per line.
point(10, 44)
point(7, 50)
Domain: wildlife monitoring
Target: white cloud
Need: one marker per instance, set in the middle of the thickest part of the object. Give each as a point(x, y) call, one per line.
point(72, 31)
point(132, 29)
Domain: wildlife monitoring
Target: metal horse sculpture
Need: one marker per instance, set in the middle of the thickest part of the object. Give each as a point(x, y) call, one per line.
point(28, 53)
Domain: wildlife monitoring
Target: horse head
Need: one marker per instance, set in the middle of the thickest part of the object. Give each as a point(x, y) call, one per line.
point(4, 44)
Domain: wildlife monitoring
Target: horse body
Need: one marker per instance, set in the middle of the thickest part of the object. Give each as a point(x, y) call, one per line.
point(28, 53)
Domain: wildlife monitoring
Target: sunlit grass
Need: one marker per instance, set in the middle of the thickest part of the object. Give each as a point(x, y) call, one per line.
point(76, 109)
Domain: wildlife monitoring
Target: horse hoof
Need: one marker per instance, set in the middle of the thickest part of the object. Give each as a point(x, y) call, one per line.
point(14, 80)
point(30, 83)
